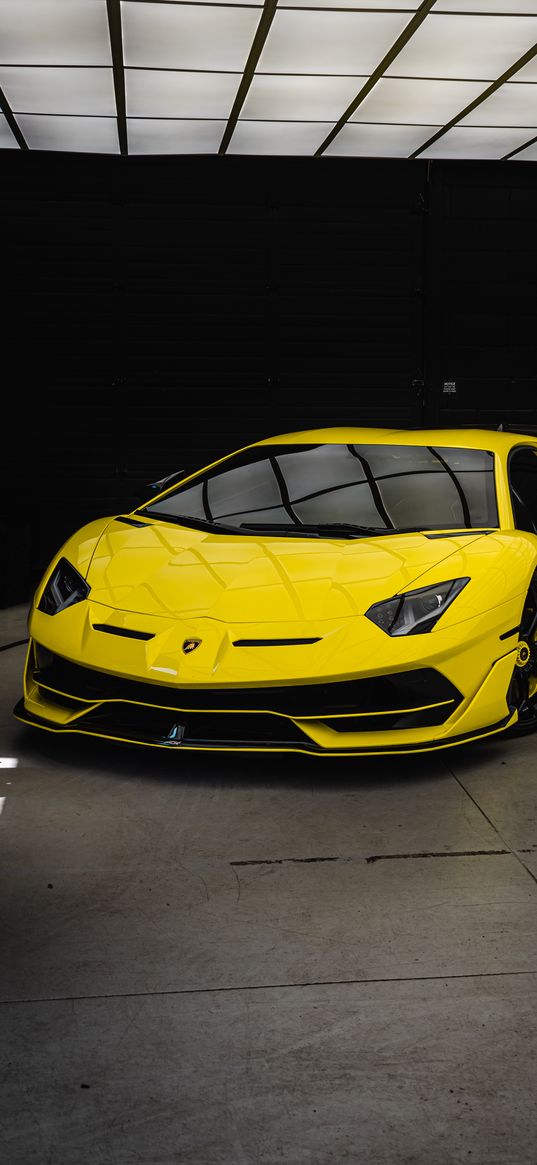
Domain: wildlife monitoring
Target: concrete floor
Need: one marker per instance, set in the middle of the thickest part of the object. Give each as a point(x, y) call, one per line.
point(213, 960)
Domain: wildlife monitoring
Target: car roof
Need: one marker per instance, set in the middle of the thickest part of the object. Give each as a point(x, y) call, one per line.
point(497, 441)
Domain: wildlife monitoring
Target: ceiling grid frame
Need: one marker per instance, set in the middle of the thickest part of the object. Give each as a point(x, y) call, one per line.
point(292, 130)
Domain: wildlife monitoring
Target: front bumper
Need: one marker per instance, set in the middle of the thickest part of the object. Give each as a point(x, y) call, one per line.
point(412, 710)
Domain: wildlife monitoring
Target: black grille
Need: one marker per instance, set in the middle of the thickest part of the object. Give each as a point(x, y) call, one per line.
point(421, 718)
point(159, 726)
point(397, 692)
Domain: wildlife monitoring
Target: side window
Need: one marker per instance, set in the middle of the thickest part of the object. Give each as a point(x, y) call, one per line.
point(523, 482)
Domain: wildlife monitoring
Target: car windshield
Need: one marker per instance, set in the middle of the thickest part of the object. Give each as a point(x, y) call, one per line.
point(346, 489)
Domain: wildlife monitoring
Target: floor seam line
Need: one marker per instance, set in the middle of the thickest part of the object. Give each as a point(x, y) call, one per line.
point(267, 987)
point(515, 853)
point(17, 643)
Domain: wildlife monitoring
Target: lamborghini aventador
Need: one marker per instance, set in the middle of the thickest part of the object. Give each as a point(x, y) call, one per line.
point(333, 592)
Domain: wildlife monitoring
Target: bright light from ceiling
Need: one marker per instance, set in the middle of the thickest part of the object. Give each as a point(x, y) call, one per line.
point(335, 77)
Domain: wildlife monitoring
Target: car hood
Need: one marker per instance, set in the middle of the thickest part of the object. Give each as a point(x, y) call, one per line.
point(162, 569)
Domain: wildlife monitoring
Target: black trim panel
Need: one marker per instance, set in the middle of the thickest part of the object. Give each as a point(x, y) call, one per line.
point(458, 534)
point(110, 630)
point(393, 721)
point(508, 634)
point(29, 718)
point(274, 642)
point(132, 522)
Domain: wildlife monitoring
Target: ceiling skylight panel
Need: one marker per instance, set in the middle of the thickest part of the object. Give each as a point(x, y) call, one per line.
point(409, 6)
point(466, 47)
point(280, 98)
point(509, 105)
point(83, 135)
point(158, 93)
point(52, 90)
point(470, 142)
point(329, 42)
point(188, 36)
point(7, 141)
point(378, 141)
point(527, 72)
point(174, 137)
point(278, 137)
point(54, 32)
point(484, 7)
point(527, 155)
point(417, 101)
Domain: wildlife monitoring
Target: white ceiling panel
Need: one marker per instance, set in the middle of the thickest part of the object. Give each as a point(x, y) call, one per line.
point(7, 141)
point(418, 102)
point(83, 135)
point(161, 93)
point(329, 42)
point(54, 32)
point(185, 60)
point(509, 105)
point(471, 142)
point(52, 90)
point(408, 6)
point(527, 72)
point(188, 36)
point(466, 47)
point(283, 98)
point(379, 141)
point(488, 7)
point(278, 137)
point(155, 136)
point(527, 155)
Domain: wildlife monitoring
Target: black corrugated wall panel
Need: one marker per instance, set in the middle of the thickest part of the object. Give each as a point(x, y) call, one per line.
point(159, 312)
point(483, 307)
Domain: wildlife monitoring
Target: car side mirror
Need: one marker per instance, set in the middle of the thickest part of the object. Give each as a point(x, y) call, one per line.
point(163, 482)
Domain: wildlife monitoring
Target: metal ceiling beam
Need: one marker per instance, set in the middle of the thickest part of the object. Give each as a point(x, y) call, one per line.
point(263, 29)
point(518, 150)
point(402, 40)
point(113, 9)
point(531, 53)
point(13, 125)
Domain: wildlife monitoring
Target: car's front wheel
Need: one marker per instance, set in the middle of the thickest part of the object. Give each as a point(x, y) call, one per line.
point(523, 690)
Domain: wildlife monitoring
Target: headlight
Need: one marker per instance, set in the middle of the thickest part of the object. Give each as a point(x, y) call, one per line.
point(416, 611)
point(65, 587)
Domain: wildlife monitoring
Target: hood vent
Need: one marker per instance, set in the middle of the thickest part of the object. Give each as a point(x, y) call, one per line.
point(132, 522)
point(274, 642)
point(107, 627)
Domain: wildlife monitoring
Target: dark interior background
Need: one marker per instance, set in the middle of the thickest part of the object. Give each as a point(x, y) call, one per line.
point(159, 312)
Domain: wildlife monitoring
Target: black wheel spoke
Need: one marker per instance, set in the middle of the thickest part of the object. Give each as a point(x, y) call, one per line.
point(529, 617)
point(525, 700)
point(524, 706)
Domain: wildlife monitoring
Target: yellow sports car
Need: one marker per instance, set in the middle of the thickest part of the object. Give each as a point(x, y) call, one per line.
point(336, 592)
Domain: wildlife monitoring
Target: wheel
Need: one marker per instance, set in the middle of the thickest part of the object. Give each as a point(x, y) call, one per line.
point(523, 688)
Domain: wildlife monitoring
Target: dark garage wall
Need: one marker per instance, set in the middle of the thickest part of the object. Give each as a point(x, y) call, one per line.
point(482, 275)
point(290, 292)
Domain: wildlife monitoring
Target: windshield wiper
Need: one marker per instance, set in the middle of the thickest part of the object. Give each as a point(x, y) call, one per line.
point(190, 523)
point(320, 529)
point(307, 530)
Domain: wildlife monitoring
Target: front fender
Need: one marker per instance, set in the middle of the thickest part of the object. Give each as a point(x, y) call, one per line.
point(79, 550)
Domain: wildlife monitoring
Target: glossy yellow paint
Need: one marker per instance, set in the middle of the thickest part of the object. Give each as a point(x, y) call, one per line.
point(177, 583)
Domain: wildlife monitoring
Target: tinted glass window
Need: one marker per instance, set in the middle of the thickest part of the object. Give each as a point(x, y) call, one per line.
point(523, 479)
point(380, 486)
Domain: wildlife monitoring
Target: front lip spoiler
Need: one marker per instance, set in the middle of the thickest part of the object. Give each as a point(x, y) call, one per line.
point(29, 718)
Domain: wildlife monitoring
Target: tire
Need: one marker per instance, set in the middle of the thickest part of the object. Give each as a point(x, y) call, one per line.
point(523, 688)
